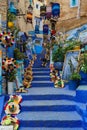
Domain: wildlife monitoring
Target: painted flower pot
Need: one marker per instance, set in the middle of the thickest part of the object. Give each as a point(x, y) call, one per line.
point(73, 84)
point(58, 65)
point(83, 75)
point(10, 87)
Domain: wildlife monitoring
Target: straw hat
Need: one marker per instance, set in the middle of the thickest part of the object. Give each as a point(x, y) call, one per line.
point(9, 120)
point(12, 108)
point(16, 98)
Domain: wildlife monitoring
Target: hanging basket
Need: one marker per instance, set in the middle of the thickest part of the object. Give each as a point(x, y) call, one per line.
point(45, 29)
point(29, 15)
point(48, 12)
point(43, 11)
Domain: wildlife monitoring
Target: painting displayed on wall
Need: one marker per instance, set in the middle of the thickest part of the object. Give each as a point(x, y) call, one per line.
point(70, 63)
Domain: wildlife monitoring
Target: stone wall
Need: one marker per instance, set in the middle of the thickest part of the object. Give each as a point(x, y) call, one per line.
point(3, 10)
point(68, 15)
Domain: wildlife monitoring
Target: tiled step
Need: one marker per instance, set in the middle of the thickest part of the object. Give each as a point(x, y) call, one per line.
point(42, 84)
point(40, 69)
point(49, 91)
point(58, 108)
point(41, 78)
point(40, 73)
point(46, 128)
point(50, 119)
point(47, 97)
point(46, 105)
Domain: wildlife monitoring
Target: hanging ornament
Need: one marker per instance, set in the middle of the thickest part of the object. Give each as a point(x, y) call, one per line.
point(29, 13)
point(53, 32)
point(30, 8)
point(29, 17)
point(43, 11)
point(45, 29)
point(12, 9)
point(12, 108)
point(10, 24)
point(48, 12)
point(55, 10)
point(10, 120)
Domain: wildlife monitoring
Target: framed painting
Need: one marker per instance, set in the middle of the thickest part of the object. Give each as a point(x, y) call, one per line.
point(70, 62)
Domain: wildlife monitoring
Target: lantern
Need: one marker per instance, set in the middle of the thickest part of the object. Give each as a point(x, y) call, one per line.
point(48, 12)
point(12, 9)
point(42, 11)
point(10, 24)
point(29, 17)
point(53, 32)
point(45, 29)
point(30, 9)
point(55, 10)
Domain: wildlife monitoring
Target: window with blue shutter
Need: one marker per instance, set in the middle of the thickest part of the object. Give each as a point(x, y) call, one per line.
point(73, 3)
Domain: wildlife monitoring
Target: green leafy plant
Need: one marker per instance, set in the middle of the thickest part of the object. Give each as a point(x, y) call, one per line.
point(58, 55)
point(75, 76)
point(11, 17)
point(18, 55)
point(11, 76)
point(83, 62)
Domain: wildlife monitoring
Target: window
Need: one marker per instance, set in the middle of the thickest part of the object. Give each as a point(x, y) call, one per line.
point(73, 3)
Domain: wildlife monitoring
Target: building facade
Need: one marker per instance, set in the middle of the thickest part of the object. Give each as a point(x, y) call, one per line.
point(3, 14)
point(73, 13)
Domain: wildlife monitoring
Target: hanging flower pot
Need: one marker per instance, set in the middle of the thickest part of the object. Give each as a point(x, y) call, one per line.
point(30, 8)
point(48, 12)
point(29, 17)
point(73, 84)
point(12, 8)
point(10, 24)
point(45, 29)
point(42, 10)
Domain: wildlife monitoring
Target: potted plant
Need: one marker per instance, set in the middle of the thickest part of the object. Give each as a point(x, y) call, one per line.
point(18, 55)
point(83, 68)
point(11, 76)
point(58, 58)
point(74, 80)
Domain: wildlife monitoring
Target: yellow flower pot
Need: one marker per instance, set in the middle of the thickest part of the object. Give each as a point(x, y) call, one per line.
point(77, 48)
point(10, 24)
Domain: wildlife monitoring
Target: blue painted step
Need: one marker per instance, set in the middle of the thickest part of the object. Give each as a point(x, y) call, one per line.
point(57, 108)
point(41, 78)
point(54, 124)
point(40, 73)
point(47, 97)
point(41, 69)
point(53, 119)
point(46, 128)
point(42, 84)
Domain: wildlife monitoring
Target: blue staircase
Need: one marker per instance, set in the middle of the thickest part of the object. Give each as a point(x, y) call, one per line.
point(47, 108)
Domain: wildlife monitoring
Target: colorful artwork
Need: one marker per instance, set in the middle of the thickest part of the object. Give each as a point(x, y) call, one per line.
point(71, 56)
